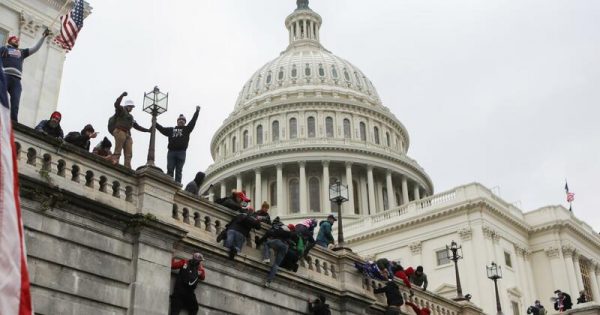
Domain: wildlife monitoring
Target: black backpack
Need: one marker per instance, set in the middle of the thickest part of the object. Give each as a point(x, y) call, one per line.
point(112, 123)
point(188, 276)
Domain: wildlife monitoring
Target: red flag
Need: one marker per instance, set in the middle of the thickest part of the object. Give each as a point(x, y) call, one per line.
point(15, 297)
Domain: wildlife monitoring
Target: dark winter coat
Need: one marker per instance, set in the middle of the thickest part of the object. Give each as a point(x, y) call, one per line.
point(194, 186)
point(392, 293)
point(230, 203)
point(184, 266)
point(124, 120)
point(263, 216)
point(243, 223)
point(179, 137)
point(44, 126)
point(567, 304)
point(78, 139)
point(325, 235)
point(319, 308)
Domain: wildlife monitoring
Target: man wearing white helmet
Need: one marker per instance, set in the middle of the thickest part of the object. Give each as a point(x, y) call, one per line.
point(119, 125)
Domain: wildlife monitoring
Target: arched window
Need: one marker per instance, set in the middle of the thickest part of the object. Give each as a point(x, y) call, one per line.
point(334, 72)
point(376, 135)
point(273, 193)
point(356, 200)
point(259, 134)
point(294, 194)
point(281, 74)
point(363, 131)
point(387, 139)
point(275, 130)
point(233, 148)
point(311, 127)
point(269, 77)
point(347, 129)
point(314, 192)
point(329, 127)
point(294, 71)
point(321, 70)
point(346, 75)
point(245, 139)
point(293, 128)
point(386, 203)
point(307, 70)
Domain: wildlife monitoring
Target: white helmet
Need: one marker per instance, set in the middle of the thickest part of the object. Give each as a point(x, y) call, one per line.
point(129, 103)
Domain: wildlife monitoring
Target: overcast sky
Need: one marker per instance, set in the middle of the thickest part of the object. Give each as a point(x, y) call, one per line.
point(505, 93)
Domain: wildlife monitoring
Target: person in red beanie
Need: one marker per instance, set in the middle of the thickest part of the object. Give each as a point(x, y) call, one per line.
point(418, 311)
point(190, 273)
point(51, 127)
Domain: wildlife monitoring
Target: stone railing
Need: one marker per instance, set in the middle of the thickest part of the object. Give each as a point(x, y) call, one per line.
point(146, 192)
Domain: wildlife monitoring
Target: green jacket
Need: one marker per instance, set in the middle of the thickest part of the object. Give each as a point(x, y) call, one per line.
point(325, 233)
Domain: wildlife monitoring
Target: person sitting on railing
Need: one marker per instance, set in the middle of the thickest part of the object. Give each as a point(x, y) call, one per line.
point(263, 214)
point(324, 237)
point(237, 201)
point(418, 310)
point(392, 294)
point(103, 149)
point(417, 277)
point(306, 230)
point(318, 306)
point(51, 127)
point(194, 186)
point(82, 138)
point(238, 231)
point(277, 239)
point(190, 273)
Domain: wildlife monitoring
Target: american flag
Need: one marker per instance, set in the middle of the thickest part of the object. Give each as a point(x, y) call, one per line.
point(15, 297)
point(71, 24)
point(570, 195)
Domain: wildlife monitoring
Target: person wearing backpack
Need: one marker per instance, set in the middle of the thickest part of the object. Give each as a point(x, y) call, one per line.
point(237, 232)
point(190, 273)
point(119, 125)
point(536, 309)
point(392, 294)
point(318, 306)
point(179, 138)
point(82, 139)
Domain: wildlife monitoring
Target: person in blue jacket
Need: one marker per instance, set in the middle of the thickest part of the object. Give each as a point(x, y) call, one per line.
point(324, 238)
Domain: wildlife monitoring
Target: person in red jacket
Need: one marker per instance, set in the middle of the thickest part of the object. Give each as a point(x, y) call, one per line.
point(190, 272)
point(418, 311)
point(399, 272)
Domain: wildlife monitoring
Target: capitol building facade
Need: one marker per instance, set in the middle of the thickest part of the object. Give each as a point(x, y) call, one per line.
point(309, 118)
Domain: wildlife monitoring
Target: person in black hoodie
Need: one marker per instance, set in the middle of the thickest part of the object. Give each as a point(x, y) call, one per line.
point(563, 301)
point(51, 127)
point(190, 273)
point(179, 138)
point(194, 186)
point(318, 306)
point(392, 294)
point(82, 139)
point(237, 232)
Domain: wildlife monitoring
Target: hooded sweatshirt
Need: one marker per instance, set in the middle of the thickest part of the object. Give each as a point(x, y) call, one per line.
point(194, 186)
point(325, 235)
point(46, 126)
point(179, 137)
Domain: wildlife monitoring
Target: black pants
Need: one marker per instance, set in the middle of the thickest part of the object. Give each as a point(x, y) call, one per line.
point(184, 301)
point(13, 85)
point(392, 310)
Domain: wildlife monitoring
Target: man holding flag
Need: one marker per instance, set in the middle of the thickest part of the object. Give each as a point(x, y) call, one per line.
point(15, 297)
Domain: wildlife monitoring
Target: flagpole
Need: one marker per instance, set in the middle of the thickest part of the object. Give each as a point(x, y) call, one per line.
point(59, 13)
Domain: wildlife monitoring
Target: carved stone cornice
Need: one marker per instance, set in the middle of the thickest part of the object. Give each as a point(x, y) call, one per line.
point(465, 233)
point(490, 233)
point(416, 247)
point(568, 250)
point(28, 24)
point(552, 251)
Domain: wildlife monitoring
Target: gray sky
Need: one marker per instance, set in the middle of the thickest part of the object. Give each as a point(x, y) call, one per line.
point(505, 93)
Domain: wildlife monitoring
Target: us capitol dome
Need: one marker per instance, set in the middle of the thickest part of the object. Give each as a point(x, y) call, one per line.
point(305, 120)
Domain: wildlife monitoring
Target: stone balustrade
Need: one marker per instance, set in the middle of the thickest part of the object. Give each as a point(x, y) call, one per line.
point(155, 201)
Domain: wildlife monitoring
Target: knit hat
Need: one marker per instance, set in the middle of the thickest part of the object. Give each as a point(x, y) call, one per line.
point(181, 117)
point(129, 103)
point(89, 128)
point(420, 268)
point(242, 196)
point(56, 115)
point(12, 38)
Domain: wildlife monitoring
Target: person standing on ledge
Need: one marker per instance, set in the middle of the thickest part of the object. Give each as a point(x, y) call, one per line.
point(12, 60)
point(119, 125)
point(179, 137)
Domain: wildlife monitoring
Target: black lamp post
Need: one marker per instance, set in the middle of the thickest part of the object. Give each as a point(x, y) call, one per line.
point(338, 193)
point(494, 272)
point(455, 253)
point(155, 103)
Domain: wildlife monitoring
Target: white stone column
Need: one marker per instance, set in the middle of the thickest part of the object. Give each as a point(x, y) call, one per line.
point(223, 190)
point(404, 190)
point(303, 197)
point(280, 205)
point(326, 203)
point(257, 189)
point(390, 190)
point(305, 35)
point(350, 183)
point(594, 279)
point(521, 273)
point(211, 193)
point(578, 276)
point(531, 281)
point(568, 252)
point(238, 185)
point(371, 184)
point(417, 193)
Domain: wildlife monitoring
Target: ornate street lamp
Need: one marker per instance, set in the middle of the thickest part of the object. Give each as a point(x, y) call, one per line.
point(155, 103)
point(338, 193)
point(494, 272)
point(454, 253)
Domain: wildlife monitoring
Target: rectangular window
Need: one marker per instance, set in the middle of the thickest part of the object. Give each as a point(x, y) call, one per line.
point(442, 257)
point(507, 259)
